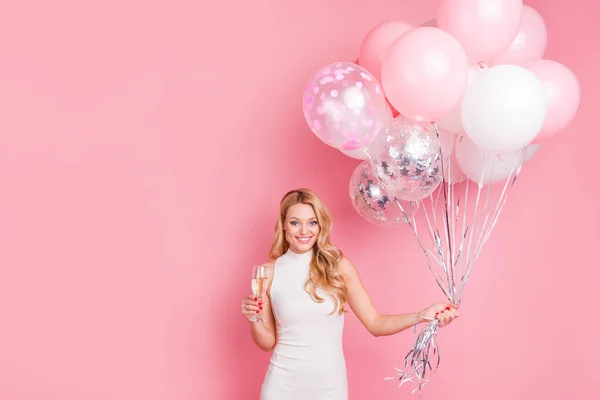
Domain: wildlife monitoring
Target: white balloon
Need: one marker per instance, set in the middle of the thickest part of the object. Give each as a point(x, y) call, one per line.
point(359, 154)
point(531, 151)
point(485, 167)
point(452, 171)
point(453, 120)
point(504, 107)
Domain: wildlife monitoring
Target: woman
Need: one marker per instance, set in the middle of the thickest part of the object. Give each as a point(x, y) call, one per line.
point(304, 304)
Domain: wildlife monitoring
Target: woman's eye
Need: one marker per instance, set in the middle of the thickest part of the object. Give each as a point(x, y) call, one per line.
point(293, 223)
point(313, 222)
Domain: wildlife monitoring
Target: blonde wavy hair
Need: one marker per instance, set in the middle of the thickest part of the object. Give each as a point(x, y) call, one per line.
point(325, 273)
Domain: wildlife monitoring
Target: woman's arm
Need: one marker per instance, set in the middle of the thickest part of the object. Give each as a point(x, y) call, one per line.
point(383, 325)
point(263, 333)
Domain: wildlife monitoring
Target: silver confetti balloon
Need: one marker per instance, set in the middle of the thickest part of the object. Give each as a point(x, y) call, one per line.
point(373, 202)
point(406, 158)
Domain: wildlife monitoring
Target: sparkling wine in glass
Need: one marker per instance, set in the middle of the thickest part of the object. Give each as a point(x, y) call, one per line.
point(260, 282)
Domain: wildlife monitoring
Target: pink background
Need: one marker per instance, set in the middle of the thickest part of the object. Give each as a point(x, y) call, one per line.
point(144, 148)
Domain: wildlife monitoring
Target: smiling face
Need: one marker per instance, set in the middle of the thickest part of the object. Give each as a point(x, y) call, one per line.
point(301, 228)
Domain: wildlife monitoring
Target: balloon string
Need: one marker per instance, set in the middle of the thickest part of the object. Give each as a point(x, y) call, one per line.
point(472, 216)
point(445, 188)
point(473, 224)
point(495, 212)
point(412, 224)
point(417, 363)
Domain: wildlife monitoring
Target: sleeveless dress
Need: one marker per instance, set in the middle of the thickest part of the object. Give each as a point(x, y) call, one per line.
point(308, 360)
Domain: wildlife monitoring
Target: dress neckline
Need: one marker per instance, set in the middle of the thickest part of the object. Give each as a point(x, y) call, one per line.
point(306, 256)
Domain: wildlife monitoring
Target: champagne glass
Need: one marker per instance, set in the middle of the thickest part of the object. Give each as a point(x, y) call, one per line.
point(260, 283)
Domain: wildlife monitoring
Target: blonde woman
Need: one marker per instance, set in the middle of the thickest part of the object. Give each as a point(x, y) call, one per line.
point(303, 309)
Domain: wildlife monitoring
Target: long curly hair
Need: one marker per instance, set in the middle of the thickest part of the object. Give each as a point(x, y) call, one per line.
point(325, 273)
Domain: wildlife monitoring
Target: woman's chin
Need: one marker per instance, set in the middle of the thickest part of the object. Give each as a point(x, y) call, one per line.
point(303, 247)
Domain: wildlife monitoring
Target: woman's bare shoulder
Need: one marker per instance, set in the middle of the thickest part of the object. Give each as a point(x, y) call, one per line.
point(347, 267)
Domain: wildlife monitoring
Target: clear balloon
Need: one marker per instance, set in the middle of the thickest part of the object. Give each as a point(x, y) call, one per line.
point(372, 202)
point(358, 154)
point(406, 158)
point(344, 106)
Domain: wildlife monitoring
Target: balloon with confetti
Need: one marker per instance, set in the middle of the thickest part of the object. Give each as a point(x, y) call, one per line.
point(407, 159)
point(373, 202)
point(344, 105)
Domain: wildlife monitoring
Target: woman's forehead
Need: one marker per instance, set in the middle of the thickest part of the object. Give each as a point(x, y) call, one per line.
point(301, 211)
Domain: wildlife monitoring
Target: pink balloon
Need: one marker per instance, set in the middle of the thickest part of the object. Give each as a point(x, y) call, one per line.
point(376, 43)
point(484, 28)
point(394, 112)
point(453, 120)
point(530, 42)
point(424, 73)
point(430, 22)
point(563, 95)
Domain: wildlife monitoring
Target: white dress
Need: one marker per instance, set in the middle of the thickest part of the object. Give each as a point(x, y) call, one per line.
point(308, 360)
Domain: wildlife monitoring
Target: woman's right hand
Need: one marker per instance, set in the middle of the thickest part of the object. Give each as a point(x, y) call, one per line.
point(252, 306)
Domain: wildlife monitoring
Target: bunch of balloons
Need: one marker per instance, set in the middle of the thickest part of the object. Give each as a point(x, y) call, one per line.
point(440, 101)
point(461, 101)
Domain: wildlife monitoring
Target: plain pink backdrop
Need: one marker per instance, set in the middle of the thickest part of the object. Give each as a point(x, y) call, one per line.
point(144, 147)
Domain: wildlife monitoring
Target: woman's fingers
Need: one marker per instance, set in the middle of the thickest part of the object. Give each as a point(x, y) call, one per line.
point(251, 306)
point(446, 316)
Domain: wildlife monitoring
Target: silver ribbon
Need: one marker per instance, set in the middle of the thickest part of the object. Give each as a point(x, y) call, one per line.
point(459, 221)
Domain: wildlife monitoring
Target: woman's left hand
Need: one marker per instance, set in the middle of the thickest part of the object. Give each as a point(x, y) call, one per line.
point(444, 313)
